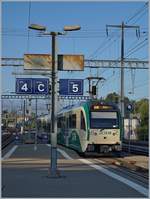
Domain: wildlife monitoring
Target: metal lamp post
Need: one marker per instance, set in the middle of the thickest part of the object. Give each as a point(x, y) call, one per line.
point(53, 168)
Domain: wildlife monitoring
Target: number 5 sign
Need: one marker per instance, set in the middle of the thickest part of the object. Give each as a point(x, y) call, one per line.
point(75, 87)
point(71, 87)
point(32, 86)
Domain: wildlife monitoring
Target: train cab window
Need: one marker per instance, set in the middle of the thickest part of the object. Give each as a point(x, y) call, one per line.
point(82, 124)
point(104, 119)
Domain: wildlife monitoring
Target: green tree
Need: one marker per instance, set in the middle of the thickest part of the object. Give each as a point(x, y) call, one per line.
point(115, 98)
point(142, 109)
point(112, 97)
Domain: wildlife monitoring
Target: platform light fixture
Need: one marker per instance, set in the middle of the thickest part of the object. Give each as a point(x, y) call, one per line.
point(37, 27)
point(53, 169)
point(71, 28)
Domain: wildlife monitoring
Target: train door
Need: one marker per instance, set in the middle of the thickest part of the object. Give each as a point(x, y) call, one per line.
point(82, 126)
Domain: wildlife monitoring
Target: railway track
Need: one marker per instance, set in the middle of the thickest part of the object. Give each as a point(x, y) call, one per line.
point(140, 176)
point(7, 138)
point(136, 149)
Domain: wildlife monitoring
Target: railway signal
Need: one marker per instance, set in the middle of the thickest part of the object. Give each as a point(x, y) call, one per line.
point(130, 107)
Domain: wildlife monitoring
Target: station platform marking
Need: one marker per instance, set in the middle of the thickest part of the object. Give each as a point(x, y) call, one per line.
point(135, 186)
point(131, 184)
point(9, 153)
point(64, 154)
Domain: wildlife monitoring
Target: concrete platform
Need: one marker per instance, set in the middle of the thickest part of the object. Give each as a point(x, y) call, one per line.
point(26, 174)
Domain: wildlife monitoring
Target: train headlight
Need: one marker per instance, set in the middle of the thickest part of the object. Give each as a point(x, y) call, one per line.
point(93, 132)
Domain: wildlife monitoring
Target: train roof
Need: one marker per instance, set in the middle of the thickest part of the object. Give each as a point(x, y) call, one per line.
point(88, 103)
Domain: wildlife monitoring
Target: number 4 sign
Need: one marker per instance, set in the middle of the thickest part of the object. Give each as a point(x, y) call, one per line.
point(24, 86)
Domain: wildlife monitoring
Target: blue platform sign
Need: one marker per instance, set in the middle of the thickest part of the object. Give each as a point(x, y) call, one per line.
point(23, 86)
point(32, 86)
point(71, 87)
point(40, 86)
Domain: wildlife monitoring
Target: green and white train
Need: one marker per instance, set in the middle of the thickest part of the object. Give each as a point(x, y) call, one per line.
point(92, 126)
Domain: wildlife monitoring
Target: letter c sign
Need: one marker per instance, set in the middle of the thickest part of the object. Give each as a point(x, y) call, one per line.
point(41, 87)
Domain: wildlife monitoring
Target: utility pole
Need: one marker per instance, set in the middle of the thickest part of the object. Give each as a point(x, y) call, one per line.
point(129, 136)
point(24, 114)
point(54, 109)
point(29, 117)
point(36, 124)
point(122, 27)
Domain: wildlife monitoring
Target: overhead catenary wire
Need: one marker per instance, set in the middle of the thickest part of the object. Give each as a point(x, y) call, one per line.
point(118, 59)
point(137, 13)
point(87, 33)
point(100, 50)
point(133, 48)
point(29, 16)
point(102, 45)
point(139, 18)
point(112, 78)
point(25, 33)
point(88, 36)
point(139, 48)
point(132, 17)
point(131, 45)
point(141, 85)
point(133, 72)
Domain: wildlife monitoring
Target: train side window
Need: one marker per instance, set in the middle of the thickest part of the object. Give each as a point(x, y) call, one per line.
point(72, 121)
point(67, 123)
point(63, 122)
point(82, 124)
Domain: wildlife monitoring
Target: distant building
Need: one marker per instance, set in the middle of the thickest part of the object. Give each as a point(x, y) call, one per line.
point(21, 118)
point(135, 123)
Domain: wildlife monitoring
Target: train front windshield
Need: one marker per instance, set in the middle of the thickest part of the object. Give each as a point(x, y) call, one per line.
point(104, 120)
